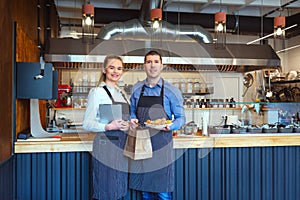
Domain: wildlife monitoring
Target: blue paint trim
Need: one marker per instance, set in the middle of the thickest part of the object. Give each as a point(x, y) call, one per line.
point(7, 181)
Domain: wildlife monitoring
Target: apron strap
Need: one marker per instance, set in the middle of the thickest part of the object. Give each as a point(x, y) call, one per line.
point(110, 96)
point(161, 91)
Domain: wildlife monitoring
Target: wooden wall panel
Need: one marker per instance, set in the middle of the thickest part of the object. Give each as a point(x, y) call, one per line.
point(27, 51)
point(6, 63)
point(24, 13)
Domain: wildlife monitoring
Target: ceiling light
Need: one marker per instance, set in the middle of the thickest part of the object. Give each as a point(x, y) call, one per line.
point(220, 29)
point(156, 16)
point(88, 23)
point(279, 25)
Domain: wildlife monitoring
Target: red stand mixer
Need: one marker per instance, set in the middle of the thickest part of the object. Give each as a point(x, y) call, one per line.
point(64, 99)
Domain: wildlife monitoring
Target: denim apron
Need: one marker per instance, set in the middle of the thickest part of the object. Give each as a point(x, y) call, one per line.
point(155, 174)
point(110, 167)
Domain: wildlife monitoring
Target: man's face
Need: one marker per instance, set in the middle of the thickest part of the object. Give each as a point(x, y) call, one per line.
point(153, 66)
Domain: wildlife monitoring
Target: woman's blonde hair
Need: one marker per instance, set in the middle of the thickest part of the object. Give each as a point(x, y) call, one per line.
point(106, 62)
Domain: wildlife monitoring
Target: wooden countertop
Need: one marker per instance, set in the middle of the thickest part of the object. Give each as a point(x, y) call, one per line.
point(83, 142)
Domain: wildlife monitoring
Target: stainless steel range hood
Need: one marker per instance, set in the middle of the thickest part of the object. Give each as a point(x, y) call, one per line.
point(183, 50)
point(179, 45)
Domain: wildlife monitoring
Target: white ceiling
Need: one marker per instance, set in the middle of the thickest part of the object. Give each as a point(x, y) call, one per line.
point(69, 11)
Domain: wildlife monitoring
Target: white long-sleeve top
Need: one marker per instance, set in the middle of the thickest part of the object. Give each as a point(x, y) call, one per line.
point(97, 96)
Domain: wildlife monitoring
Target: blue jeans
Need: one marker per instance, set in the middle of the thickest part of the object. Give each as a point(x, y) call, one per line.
point(157, 196)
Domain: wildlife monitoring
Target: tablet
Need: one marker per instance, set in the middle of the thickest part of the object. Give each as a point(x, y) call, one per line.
point(110, 112)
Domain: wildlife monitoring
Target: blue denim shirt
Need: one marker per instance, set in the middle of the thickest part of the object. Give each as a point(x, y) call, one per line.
point(173, 101)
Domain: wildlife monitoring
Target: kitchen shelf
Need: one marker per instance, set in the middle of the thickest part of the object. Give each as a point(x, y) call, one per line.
point(79, 93)
point(77, 68)
point(285, 82)
point(195, 94)
point(70, 108)
point(213, 108)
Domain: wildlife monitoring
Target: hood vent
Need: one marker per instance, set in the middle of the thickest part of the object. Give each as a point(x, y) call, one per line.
point(182, 52)
point(140, 29)
point(133, 30)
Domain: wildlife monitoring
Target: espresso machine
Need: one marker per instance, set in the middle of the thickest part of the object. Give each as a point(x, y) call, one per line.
point(64, 99)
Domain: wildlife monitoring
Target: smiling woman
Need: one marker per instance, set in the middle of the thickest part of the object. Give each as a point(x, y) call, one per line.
point(109, 163)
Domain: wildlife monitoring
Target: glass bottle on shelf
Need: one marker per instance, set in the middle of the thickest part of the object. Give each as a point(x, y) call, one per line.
point(176, 83)
point(197, 104)
point(189, 88)
point(183, 86)
point(196, 87)
point(85, 82)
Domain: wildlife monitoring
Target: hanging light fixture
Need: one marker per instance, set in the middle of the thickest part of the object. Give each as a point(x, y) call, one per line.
point(156, 16)
point(220, 29)
point(279, 25)
point(88, 23)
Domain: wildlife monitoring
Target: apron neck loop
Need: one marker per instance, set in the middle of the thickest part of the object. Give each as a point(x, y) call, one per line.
point(161, 91)
point(110, 96)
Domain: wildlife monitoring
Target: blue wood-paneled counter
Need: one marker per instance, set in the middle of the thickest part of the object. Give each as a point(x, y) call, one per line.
point(207, 168)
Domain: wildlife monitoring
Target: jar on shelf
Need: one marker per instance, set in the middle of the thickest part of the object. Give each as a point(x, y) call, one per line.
point(188, 103)
point(221, 103)
point(183, 86)
point(176, 83)
point(196, 87)
point(208, 103)
point(185, 103)
point(189, 88)
point(191, 128)
point(203, 103)
point(227, 105)
point(203, 88)
point(197, 103)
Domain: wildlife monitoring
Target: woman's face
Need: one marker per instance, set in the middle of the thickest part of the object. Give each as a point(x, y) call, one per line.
point(113, 71)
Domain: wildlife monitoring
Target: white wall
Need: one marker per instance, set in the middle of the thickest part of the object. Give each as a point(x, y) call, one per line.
point(290, 59)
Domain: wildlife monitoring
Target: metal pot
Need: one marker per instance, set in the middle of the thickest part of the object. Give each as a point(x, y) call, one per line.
point(190, 128)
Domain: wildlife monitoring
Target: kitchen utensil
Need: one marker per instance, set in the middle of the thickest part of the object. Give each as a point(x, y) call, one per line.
point(248, 82)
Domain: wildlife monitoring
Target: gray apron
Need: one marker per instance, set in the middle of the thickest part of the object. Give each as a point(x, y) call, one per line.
point(110, 167)
point(155, 174)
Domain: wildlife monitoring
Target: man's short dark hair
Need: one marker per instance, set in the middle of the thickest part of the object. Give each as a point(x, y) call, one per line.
point(152, 52)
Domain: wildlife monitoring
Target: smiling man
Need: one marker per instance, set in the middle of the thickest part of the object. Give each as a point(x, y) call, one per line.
point(152, 99)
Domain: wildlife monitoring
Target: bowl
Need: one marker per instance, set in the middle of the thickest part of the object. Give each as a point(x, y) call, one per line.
point(254, 130)
point(220, 130)
point(296, 130)
point(269, 130)
point(285, 130)
point(239, 130)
